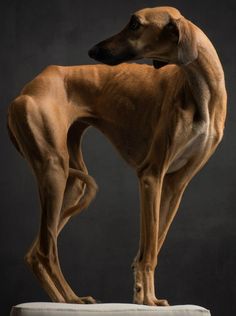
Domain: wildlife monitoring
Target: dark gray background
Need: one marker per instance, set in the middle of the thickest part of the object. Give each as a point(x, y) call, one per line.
point(197, 264)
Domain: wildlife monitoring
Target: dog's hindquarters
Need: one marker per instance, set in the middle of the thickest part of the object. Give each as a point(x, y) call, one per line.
point(58, 166)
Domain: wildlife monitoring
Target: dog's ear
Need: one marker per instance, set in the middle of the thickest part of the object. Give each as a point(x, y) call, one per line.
point(170, 33)
point(187, 45)
point(183, 33)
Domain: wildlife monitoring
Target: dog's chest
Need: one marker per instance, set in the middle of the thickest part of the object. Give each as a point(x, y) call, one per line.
point(194, 147)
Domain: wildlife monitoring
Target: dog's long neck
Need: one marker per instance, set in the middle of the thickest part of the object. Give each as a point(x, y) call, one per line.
point(205, 75)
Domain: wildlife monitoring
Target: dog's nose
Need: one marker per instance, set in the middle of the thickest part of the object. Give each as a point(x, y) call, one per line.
point(94, 52)
point(103, 55)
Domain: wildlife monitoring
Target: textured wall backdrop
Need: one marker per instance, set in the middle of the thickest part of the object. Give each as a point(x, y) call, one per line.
point(197, 264)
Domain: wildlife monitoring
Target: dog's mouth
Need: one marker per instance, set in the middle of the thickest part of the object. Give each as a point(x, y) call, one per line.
point(105, 56)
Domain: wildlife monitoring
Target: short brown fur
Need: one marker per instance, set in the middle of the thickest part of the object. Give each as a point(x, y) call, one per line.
point(166, 123)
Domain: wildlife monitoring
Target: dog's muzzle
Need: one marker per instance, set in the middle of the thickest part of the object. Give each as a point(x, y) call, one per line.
point(101, 54)
point(104, 55)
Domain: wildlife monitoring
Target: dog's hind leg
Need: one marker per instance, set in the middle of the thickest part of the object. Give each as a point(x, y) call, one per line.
point(47, 153)
point(74, 204)
point(81, 188)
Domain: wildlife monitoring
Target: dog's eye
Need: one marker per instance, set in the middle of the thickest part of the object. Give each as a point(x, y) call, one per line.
point(170, 26)
point(134, 23)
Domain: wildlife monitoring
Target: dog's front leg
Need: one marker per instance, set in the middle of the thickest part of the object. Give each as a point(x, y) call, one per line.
point(145, 262)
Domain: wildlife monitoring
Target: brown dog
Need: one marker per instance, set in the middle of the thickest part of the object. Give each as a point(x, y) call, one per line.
point(165, 123)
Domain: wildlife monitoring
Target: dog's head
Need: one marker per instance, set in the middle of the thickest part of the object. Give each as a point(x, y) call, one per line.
point(161, 34)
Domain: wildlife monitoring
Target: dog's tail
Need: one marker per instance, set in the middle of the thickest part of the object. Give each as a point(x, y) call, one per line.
point(78, 170)
point(88, 195)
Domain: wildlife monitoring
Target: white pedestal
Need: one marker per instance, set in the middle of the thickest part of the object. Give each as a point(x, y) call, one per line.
point(60, 309)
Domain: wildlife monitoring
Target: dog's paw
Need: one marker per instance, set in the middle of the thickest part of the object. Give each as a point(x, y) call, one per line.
point(152, 302)
point(156, 302)
point(83, 300)
point(89, 300)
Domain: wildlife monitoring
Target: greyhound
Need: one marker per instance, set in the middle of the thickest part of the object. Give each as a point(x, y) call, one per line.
point(165, 121)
